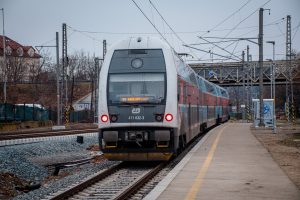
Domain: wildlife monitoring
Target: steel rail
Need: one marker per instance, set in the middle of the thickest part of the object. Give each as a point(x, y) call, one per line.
point(85, 184)
point(13, 136)
point(124, 194)
point(44, 131)
point(133, 188)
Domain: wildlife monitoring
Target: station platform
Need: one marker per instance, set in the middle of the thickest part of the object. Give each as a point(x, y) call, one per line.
point(228, 163)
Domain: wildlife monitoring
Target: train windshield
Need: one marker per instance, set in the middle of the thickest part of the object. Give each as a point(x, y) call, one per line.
point(136, 88)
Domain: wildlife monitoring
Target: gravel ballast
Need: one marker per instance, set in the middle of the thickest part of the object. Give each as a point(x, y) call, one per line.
point(29, 161)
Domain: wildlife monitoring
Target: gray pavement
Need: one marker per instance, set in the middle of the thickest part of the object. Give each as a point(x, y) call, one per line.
point(229, 163)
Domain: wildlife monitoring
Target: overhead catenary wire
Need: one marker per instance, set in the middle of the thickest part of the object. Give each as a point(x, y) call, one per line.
point(153, 33)
point(228, 17)
point(83, 33)
point(296, 31)
point(283, 34)
point(183, 43)
point(215, 42)
point(152, 23)
point(243, 21)
point(238, 38)
point(210, 52)
point(219, 47)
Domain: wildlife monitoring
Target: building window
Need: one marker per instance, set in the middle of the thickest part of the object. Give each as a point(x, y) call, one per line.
point(20, 51)
point(30, 52)
point(8, 50)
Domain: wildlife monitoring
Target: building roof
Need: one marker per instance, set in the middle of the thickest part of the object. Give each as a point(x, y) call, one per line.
point(14, 49)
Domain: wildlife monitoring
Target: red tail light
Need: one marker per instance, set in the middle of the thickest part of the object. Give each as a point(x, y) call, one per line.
point(104, 118)
point(169, 117)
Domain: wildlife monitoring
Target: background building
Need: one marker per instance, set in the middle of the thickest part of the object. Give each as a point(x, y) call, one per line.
point(22, 62)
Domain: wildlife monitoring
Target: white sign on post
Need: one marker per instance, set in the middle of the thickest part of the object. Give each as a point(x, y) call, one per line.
point(268, 112)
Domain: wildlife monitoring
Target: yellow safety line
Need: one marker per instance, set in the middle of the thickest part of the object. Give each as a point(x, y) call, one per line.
point(199, 179)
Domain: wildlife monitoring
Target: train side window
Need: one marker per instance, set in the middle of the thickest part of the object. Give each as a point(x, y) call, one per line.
point(184, 71)
point(223, 92)
point(218, 91)
point(193, 78)
point(209, 87)
point(201, 85)
point(178, 90)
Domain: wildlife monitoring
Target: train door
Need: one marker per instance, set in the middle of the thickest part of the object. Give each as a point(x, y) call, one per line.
point(185, 114)
point(189, 121)
point(204, 110)
point(189, 113)
point(198, 112)
point(215, 108)
point(184, 93)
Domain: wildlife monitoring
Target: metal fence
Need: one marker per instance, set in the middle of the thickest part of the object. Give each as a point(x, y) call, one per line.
point(81, 116)
point(12, 112)
point(35, 112)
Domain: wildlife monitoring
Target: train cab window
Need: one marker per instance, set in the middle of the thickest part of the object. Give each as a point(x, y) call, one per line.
point(136, 87)
point(152, 61)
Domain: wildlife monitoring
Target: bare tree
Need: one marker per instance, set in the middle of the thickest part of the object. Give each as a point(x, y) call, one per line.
point(35, 69)
point(81, 66)
point(15, 69)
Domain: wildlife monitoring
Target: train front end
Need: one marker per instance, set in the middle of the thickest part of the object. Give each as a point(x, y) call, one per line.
point(136, 121)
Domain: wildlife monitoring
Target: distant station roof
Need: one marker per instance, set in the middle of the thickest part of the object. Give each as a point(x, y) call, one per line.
point(14, 49)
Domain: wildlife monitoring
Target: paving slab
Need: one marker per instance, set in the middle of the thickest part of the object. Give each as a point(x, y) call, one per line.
point(228, 163)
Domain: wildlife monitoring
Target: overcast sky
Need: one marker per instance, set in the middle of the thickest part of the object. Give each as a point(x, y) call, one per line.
point(34, 22)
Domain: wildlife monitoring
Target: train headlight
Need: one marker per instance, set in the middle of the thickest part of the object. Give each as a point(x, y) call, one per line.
point(159, 117)
point(169, 117)
point(113, 118)
point(104, 118)
point(137, 63)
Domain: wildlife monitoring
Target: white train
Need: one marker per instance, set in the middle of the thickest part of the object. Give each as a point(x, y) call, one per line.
point(151, 104)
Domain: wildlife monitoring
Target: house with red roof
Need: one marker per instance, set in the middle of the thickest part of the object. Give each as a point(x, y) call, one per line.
point(21, 61)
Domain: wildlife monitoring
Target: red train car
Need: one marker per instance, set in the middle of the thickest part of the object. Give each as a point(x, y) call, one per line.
point(151, 103)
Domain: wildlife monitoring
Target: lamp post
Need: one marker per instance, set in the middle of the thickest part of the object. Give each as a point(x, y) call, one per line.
point(4, 58)
point(57, 78)
point(273, 80)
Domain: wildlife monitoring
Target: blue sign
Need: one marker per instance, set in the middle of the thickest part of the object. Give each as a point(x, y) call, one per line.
point(266, 109)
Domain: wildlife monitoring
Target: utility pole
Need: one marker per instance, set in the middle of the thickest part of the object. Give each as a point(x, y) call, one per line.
point(97, 67)
point(289, 80)
point(243, 75)
point(273, 77)
point(104, 49)
point(260, 63)
point(4, 58)
point(274, 88)
point(64, 59)
point(248, 85)
point(58, 75)
point(64, 67)
point(57, 80)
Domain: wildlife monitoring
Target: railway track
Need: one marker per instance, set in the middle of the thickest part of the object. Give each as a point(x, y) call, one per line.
point(118, 182)
point(23, 135)
point(123, 181)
